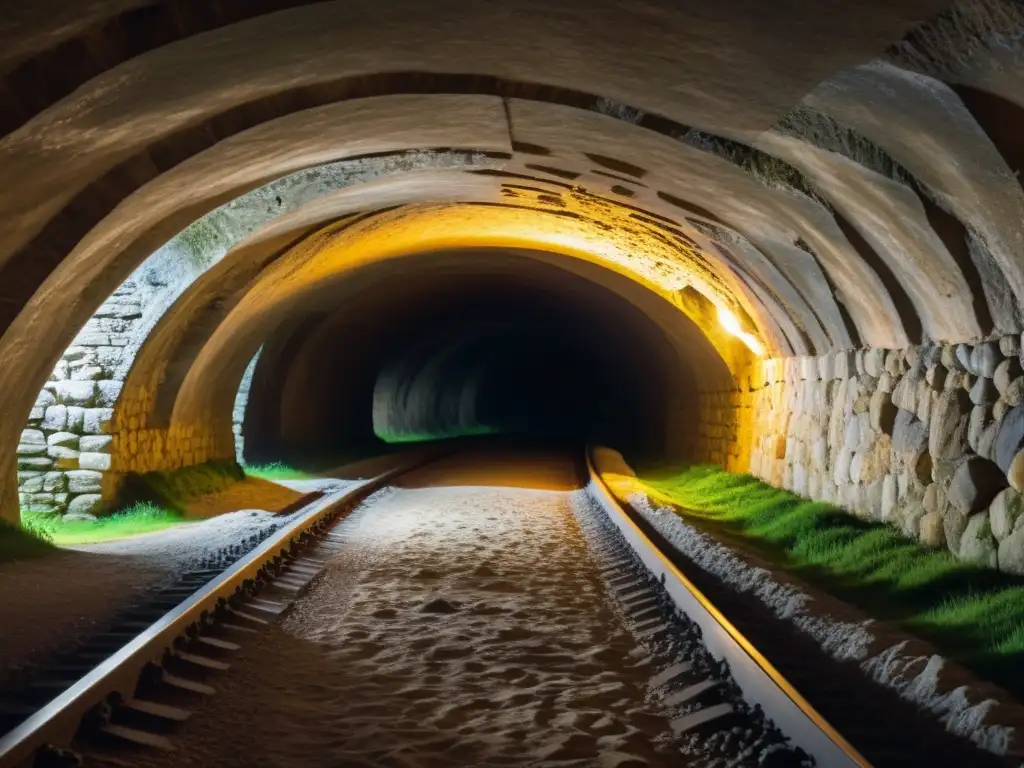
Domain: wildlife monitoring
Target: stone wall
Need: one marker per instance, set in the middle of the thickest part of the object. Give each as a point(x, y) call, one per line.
point(928, 439)
point(725, 428)
point(65, 449)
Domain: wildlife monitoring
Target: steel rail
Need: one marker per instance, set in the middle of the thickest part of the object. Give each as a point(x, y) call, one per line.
point(760, 682)
point(55, 724)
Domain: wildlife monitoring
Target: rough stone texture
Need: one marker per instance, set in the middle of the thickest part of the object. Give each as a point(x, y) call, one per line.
point(974, 484)
point(864, 445)
point(1004, 512)
point(977, 546)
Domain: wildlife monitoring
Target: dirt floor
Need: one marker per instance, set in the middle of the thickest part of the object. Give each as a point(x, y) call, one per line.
point(463, 622)
point(46, 604)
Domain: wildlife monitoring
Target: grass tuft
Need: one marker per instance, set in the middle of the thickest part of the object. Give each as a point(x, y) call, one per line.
point(277, 471)
point(971, 614)
point(135, 520)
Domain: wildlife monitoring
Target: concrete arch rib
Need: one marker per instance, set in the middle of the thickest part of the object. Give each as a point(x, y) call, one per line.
point(925, 127)
point(732, 195)
point(891, 218)
point(151, 387)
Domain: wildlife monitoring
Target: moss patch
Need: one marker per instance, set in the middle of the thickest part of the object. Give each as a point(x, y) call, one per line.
point(277, 471)
point(973, 615)
point(135, 520)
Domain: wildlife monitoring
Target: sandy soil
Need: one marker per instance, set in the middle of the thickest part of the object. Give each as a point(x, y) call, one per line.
point(462, 623)
point(47, 604)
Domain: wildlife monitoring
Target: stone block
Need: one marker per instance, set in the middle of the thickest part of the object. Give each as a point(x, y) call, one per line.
point(1006, 372)
point(55, 482)
point(97, 461)
point(108, 357)
point(1009, 346)
point(904, 393)
point(1004, 512)
point(981, 417)
point(87, 504)
point(87, 373)
point(31, 443)
point(84, 481)
point(845, 365)
point(954, 524)
point(108, 392)
point(889, 498)
point(984, 359)
point(911, 521)
point(947, 431)
point(75, 392)
point(45, 398)
point(31, 482)
point(975, 484)
point(977, 545)
point(1010, 439)
point(63, 440)
point(95, 443)
point(96, 420)
point(76, 419)
point(874, 362)
point(1014, 394)
point(55, 419)
point(92, 339)
point(34, 464)
point(984, 391)
point(1011, 553)
point(1015, 474)
point(58, 452)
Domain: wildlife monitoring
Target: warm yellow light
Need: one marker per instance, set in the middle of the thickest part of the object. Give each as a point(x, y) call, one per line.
point(731, 323)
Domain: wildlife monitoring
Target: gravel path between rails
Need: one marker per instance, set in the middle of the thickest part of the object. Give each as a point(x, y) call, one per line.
point(459, 624)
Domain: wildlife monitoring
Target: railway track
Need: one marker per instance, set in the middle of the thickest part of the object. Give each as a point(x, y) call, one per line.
point(713, 680)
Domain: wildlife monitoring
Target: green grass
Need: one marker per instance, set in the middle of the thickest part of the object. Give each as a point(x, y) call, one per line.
point(137, 519)
point(973, 615)
point(277, 471)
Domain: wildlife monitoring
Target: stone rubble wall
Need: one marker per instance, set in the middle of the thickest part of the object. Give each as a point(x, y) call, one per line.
point(65, 448)
point(929, 439)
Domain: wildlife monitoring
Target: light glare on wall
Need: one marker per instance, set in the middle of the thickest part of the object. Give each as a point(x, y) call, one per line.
point(731, 323)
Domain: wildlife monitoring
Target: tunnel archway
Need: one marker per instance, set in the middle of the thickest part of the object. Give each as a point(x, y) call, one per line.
point(452, 343)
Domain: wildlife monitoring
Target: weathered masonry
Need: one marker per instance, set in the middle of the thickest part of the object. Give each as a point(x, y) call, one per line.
point(801, 259)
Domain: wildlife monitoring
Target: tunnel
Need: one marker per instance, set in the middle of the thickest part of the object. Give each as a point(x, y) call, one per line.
point(478, 343)
point(725, 250)
point(672, 255)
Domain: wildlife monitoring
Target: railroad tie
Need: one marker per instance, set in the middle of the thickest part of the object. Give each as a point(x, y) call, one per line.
point(143, 738)
point(686, 723)
point(670, 674)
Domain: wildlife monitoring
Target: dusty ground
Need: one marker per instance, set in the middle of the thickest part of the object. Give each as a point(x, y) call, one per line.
point(46, 604)
point(462, 623)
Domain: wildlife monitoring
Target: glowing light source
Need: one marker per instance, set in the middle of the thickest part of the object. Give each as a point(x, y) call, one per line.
point(731, 323)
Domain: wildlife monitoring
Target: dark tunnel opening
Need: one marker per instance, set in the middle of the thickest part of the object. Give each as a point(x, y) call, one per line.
point(452, 345)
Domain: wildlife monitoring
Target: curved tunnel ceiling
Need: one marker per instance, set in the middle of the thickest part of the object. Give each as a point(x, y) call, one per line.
point(850, 190)
point(467, 346)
